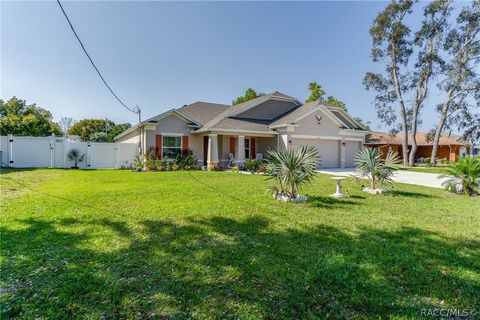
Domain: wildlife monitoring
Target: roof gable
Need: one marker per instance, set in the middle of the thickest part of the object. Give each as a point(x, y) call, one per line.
point(241, 111)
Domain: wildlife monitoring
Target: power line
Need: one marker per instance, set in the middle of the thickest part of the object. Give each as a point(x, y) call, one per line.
point(134, 110)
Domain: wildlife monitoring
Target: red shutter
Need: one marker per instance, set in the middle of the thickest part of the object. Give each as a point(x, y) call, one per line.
point(158, 145)
point(252, 148)
point(232, 145)
point(185, 142)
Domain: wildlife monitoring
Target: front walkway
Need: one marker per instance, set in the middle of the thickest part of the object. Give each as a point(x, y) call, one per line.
point(432, 180)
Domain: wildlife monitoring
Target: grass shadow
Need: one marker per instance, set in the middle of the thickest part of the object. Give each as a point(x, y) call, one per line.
point(329, 202)
point(222, 267)
point(409, 194)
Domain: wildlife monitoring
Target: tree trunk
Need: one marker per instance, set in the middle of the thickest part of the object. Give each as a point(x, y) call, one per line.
point(441, 124)
point(401, 107)
point(413, 151)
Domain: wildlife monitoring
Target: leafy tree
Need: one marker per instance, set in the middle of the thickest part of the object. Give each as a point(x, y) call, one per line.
point(429, 62)
point(249, 95)
point(365, 125)
point(336, 103)
point(391, 46)
point(97, 130)
point(115, 130)
point(316, 92)
point(18, 118)
point(65, 124)
point(99, 137)
point(462, 79)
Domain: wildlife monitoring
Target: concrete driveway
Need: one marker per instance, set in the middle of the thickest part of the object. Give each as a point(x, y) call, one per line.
point(432, 180)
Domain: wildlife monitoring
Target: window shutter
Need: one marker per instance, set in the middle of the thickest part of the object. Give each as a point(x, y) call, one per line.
point(185, 142)
point(252, 148)
point(158, 145)
point(232, 145)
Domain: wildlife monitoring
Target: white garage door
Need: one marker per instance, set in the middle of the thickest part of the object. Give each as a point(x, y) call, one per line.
point(328, 150)
point(351, 149)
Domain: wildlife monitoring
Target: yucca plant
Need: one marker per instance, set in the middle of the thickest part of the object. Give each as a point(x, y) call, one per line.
point(75, 156)
point(465, 172)
point(292, 169)
point(371, 165)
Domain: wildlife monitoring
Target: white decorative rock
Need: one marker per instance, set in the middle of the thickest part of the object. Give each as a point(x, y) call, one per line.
point(280, 197)
point(375, 191)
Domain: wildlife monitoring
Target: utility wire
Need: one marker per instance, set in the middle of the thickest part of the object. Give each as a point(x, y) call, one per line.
point(134, 110)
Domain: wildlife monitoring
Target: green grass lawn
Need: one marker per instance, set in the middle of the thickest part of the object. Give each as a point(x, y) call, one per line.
point(205, 245)
point(439, 170)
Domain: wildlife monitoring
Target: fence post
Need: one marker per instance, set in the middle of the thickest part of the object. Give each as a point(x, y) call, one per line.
point(88, 154)
point(64, 152)
point(117, 154)
point(10, 150)
point(52, 144)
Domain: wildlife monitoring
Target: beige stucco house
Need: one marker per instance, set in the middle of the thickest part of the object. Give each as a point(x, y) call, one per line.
point(213, 131)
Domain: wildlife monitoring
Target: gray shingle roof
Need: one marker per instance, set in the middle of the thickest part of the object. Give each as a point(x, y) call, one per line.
point(297, 113)
point(202, 112)
point(222, 120)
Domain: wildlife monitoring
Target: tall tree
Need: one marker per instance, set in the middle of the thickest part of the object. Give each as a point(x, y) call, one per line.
point(18, 118)
point(392, 46)
point(65, 124)
point(97, 130)
point(462, 79)
point(316, 92)
point(249, 95)
point(336, 103)
point(429, 63)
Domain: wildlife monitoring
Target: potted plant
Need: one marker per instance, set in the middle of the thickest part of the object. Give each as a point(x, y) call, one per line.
point(464, 176)
point(75, 156)
point(370, 165)
point(291, 169)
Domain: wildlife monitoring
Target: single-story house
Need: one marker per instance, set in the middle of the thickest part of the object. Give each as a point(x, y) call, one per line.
point(451, 147)
point(217, 132)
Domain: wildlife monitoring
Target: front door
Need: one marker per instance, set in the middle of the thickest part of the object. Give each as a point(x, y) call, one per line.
point(205, 150)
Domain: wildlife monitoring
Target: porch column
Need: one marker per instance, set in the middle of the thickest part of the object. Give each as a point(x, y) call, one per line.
point(212, 154)
point(342, 153)
point(240, 156)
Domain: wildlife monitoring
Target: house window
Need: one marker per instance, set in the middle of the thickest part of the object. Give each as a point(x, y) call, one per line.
point(247, 148)
point(171, 146)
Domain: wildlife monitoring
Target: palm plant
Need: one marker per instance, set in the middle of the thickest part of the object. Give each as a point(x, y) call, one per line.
point(465, 172)
point(292, 169)
point(75, 156)
point(371, 165)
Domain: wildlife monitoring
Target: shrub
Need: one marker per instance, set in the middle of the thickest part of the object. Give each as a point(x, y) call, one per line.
point(292, 169)
point(185, 160)
point(374, 168)
point(465, 172)
point(138, 163)
point(75, 156)
point(151, 165)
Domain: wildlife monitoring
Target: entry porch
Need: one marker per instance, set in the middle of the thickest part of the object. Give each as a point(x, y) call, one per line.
point(224, 150)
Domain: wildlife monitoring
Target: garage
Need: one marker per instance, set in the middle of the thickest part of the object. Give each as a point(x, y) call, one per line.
point(351, 149)
point(328, 150)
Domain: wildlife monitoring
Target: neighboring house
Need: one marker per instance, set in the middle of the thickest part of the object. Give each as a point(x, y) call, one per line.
point(275, 120)
point(450, 146)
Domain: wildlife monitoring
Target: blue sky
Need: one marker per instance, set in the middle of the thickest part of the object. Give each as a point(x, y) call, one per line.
point(162, 55)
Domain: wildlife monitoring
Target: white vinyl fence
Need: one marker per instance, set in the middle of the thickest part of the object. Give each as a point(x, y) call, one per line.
point(51, 152)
